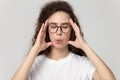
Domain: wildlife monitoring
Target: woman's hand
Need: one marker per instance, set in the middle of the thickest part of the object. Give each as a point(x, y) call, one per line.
point(102, 70)
point(79, 41)
point(40, 43)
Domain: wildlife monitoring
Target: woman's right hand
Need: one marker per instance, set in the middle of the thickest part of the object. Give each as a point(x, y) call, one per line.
point(40, 43)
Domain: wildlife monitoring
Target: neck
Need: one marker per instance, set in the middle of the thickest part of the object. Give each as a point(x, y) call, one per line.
point(57, 54)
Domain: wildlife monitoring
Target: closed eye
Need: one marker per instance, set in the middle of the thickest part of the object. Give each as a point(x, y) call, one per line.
point(65, 26)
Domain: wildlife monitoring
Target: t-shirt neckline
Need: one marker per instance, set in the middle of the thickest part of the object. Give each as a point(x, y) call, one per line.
point(61, 61)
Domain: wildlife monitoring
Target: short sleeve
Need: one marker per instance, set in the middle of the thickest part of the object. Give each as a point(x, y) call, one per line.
point(32, 70)
point(90, 69)
point(29, 76)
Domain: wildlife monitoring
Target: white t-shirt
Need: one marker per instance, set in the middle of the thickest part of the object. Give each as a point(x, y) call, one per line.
point(72, 67)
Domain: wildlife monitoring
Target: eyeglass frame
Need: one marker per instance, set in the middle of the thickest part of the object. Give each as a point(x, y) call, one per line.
point(60, 27)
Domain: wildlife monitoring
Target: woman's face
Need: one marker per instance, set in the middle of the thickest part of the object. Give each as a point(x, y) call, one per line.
point(59, 29)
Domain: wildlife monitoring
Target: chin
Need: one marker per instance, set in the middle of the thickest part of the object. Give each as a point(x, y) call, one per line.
point(60, 46)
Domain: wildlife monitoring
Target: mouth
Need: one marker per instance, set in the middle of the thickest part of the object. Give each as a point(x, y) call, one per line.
point(58, 41)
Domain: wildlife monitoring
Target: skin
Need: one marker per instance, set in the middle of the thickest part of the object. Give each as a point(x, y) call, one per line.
point(60, 50)
point(59, 39)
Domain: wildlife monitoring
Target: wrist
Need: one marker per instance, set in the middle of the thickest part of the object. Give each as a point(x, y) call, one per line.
point(84, 46)
point(35, 50)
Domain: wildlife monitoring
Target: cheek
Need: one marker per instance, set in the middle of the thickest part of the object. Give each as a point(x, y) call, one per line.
point(50, 36)
point(67, 37)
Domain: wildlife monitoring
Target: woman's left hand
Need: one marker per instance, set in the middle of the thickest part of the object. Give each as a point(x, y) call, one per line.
point(101, 68)
point(79, 41)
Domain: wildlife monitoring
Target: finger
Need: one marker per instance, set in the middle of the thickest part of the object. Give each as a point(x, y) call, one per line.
point(38, 36)
point(46, 24)
point(74, 25)
point(44, 28)
point(78, 30)
point(41, 30)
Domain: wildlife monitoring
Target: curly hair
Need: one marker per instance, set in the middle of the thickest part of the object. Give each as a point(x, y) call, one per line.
point(49, 9)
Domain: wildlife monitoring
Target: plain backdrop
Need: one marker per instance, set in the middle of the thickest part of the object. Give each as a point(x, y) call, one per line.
point(99, 19)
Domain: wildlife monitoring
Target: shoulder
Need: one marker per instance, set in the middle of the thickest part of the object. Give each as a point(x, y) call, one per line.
point(82, 60)
point(38, 61)
point(79, 58)
point(85, 64)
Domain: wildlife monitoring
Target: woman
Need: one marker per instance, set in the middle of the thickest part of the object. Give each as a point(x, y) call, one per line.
point(59, 51)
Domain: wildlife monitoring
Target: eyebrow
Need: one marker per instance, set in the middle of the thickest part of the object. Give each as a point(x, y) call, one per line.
point(61, 23)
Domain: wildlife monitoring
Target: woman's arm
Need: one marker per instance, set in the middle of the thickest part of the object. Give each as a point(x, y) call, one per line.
point(22, 72)
point(102, 70)
point(40, 44)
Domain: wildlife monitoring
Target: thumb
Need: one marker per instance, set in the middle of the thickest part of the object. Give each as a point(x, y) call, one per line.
point(70, 42)
point(49, 44)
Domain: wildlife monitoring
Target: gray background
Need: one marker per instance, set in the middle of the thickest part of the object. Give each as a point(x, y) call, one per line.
point(100, 21)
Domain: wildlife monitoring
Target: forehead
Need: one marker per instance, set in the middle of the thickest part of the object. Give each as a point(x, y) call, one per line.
point(59, 17)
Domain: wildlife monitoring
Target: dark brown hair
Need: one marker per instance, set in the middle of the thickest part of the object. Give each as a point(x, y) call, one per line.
point(49, 9)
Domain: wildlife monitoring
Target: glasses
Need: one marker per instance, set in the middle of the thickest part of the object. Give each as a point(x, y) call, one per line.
point(65, 28)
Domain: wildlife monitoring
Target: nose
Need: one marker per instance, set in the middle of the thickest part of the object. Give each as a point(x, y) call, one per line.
point(59, 31)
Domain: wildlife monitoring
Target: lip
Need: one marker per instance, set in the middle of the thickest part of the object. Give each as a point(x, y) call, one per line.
point(58, 41)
